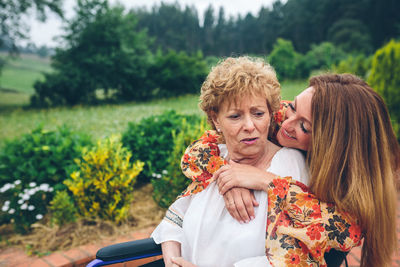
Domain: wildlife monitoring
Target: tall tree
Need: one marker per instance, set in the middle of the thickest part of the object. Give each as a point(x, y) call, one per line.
point(208, 28)
point(103, 51)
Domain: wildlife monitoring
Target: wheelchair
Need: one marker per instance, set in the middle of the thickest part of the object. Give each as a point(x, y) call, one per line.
point(145, 248)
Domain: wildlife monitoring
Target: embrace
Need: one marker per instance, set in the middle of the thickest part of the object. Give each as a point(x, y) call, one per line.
point(280, 183)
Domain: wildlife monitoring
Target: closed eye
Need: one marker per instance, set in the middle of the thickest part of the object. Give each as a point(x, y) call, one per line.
point(292, 107)
point(303, 128)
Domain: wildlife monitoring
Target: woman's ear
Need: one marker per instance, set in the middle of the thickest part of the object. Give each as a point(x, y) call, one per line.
point(215, 120)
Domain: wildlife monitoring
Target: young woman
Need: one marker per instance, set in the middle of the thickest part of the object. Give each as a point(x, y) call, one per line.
point(352, 153)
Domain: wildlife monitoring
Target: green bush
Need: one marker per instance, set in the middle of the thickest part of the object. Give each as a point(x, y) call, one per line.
point(174, 74)
point(151, 140)
point(285, 59)
point(62, 209)
point(359, 65)
point(103, 185)
point(24, 204)
point(41, 157)
point(321, 57)
point(385, 78)
point(170, 182)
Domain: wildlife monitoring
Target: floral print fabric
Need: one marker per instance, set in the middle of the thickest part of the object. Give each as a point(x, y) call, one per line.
point(300, 228)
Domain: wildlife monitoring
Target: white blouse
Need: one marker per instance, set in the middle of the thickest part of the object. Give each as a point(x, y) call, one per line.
point(210, 236)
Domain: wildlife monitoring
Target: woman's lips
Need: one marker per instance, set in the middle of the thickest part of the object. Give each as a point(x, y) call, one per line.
point(286, 134)
point(249, 141)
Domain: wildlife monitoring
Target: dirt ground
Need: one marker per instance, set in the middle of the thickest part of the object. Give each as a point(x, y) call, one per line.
point(144, 213)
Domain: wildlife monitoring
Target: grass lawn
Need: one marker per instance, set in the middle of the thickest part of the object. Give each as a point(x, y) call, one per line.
point(20, 73)
point(97, 121)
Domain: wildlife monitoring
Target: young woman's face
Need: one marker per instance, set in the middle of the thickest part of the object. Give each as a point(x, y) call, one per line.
point(245, 126)
point(296, 129)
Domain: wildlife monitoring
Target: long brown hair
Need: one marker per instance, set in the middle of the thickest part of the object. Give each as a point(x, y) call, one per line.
point(353, 158)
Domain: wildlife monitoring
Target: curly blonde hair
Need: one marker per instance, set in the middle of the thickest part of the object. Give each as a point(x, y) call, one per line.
point(234, 78)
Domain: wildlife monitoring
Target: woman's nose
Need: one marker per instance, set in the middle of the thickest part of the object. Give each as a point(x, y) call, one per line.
point(248, 124)
point(288, 124)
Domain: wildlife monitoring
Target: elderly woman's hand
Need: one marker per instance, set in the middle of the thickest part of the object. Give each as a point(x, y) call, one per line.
point(240, 204)
point(241, 175)
point(179, 261)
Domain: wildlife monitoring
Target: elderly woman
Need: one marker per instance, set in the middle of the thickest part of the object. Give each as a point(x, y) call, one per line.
point(353, 154)
point(238, 97)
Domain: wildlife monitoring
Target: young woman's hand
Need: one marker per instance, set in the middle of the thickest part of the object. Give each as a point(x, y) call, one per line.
point(179, 261)
point(241, 175)
point(240, 203)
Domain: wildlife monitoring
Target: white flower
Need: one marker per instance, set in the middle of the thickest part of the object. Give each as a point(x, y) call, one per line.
point(7, 202)
point(5, 188)
point(17, 182)
point(31, 207)
point(11, 211)
point(51, 189)
point(32, 191)
point(39, 217)
point(26, 197)
point(44, 187)
point(159, 176)
point(4, 208)
point(32, 184)
point(154, 174)
point(20, 201)
point(164, 172)
point(24, 206)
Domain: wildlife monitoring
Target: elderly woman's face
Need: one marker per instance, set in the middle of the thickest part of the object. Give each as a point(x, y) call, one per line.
point(244, 125)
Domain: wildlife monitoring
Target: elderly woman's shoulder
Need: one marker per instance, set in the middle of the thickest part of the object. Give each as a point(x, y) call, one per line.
point(291, 153)
point(291, 162)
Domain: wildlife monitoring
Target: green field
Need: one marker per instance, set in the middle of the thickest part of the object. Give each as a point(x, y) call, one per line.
point(97, 121)
point(20, 73)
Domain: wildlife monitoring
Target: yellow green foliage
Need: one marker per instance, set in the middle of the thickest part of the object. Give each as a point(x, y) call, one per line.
point(385, 79)
point(103, 185)
point(62, 208)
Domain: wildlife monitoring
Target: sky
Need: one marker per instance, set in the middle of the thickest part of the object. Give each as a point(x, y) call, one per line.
point(44, 33)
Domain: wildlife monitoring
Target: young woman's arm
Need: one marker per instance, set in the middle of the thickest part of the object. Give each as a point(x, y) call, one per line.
point(299, 224)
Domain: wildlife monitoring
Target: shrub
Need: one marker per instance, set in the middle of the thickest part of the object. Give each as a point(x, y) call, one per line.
point(174, 74)
point(385, 79)
point(322, 56)
point(170, 182)
point(41, 157)
point(151, 140)
point(62, 209)
point(24, 204)
point(359, 65)
point(284, 59)
point(103, 185)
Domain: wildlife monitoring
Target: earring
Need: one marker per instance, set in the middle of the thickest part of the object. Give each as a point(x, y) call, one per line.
point(218, 130)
